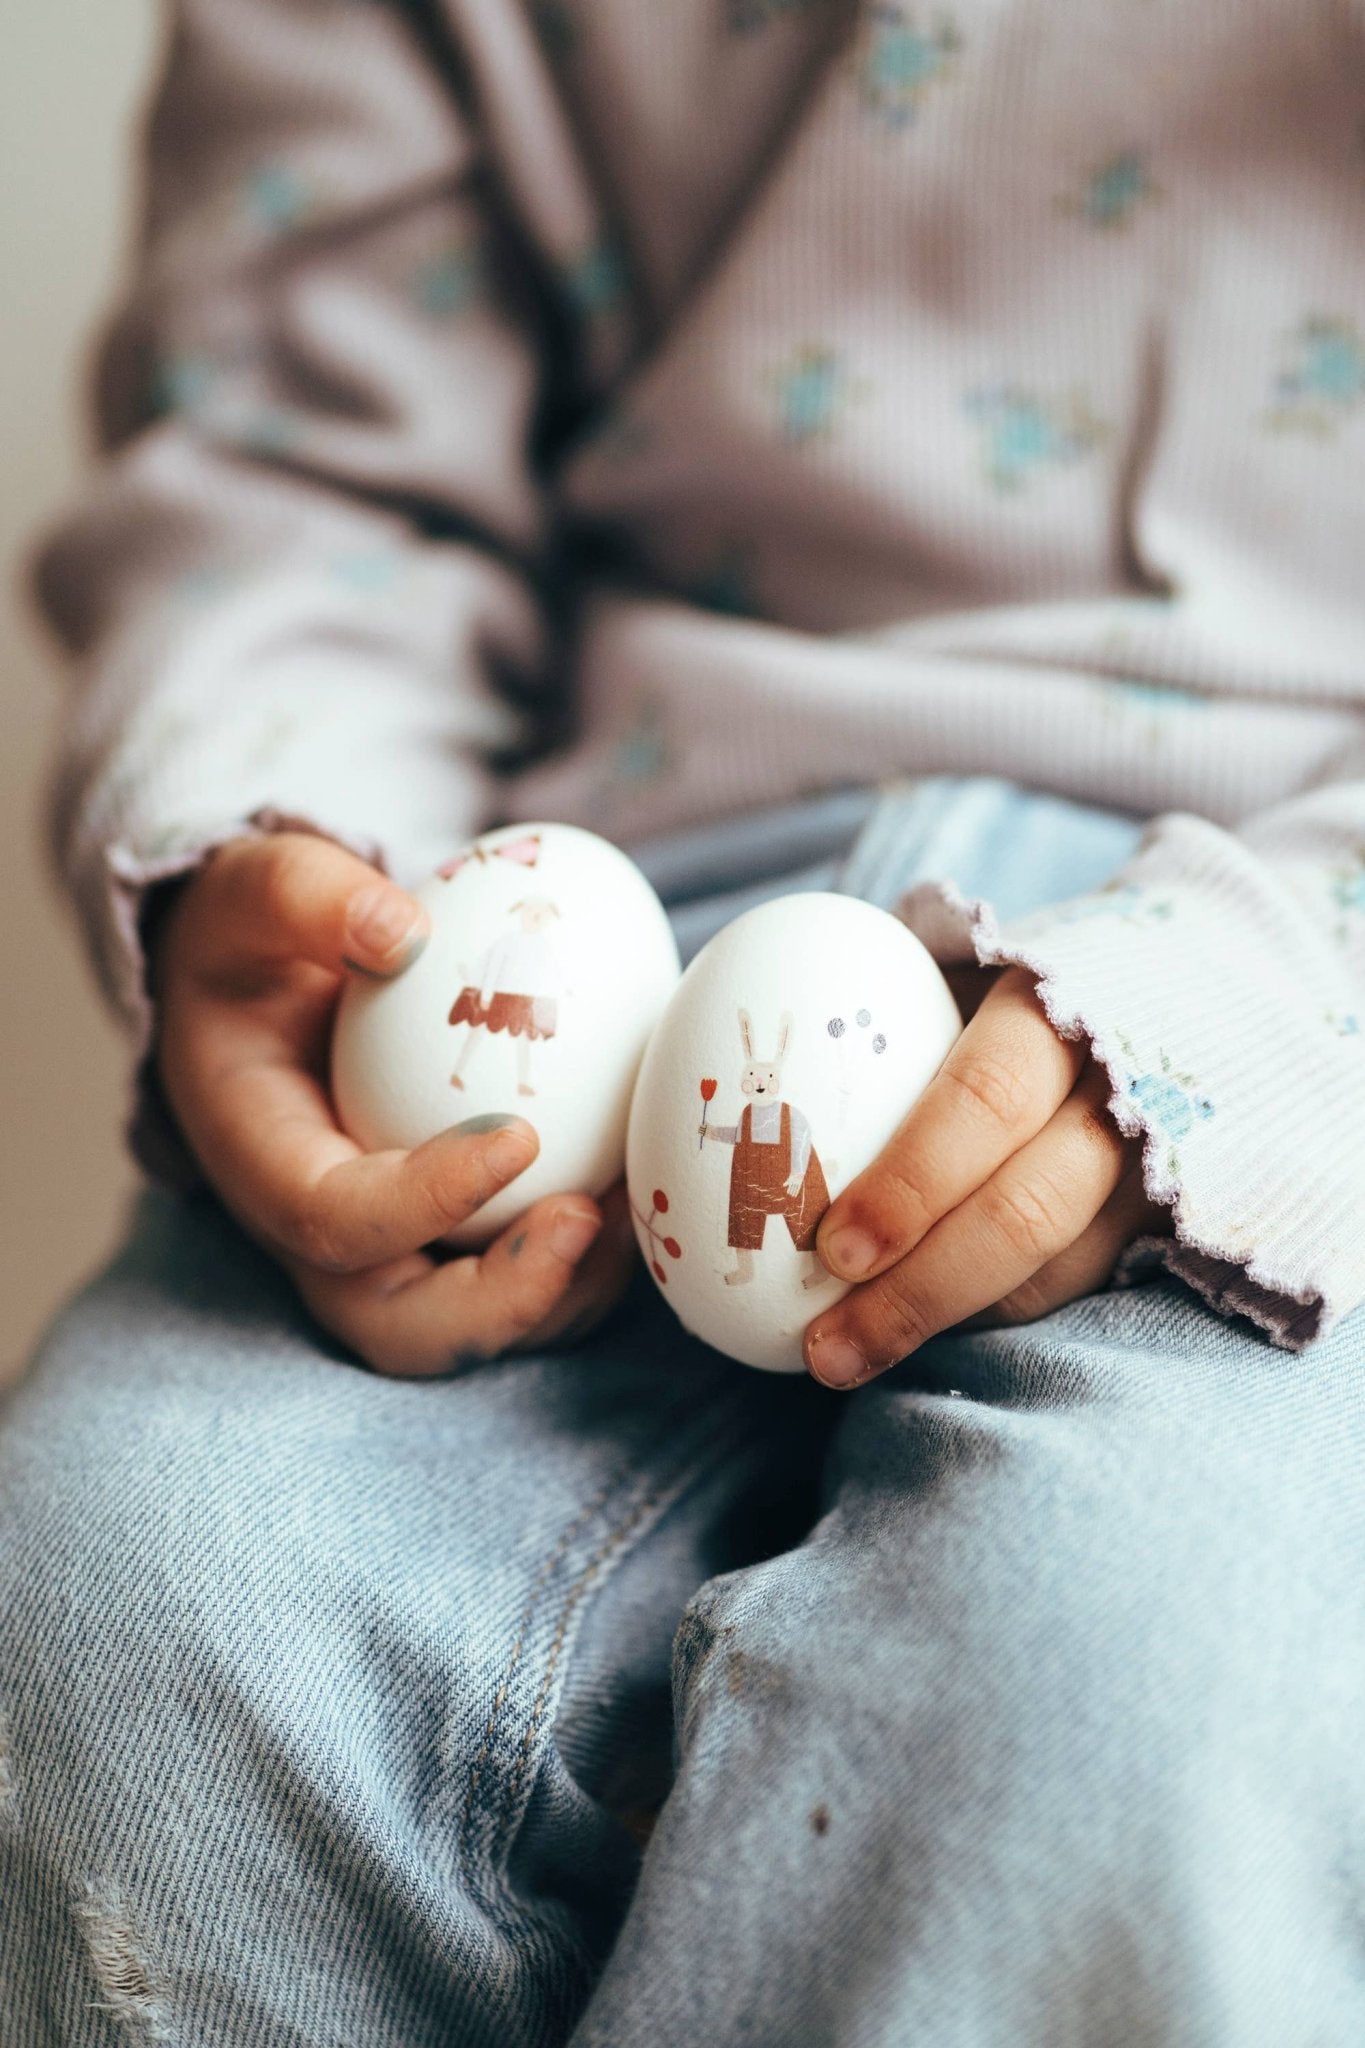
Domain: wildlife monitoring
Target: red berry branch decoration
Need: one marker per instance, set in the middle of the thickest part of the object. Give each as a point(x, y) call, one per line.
point(657, 1241)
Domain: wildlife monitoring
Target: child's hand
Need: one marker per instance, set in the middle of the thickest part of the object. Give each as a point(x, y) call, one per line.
point(247, 968)
point(1008, 1189)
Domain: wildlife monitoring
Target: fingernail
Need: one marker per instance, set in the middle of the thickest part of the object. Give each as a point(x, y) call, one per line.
point(380, 921)
point(476, 1126)
point(507, 1154)
point(572, 1231)
point(850, 1252)
point(835, 1361)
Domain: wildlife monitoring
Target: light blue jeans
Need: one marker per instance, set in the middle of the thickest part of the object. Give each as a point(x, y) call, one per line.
point(1015, 1701)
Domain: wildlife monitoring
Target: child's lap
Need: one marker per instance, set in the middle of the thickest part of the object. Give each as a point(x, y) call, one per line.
point(185, 1411)
point(269, 1622)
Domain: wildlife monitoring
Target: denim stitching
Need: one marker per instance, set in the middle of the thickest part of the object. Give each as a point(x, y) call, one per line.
point(611, 1542)
point(574, 1594)
point(580, 1520)
point(576, 1591)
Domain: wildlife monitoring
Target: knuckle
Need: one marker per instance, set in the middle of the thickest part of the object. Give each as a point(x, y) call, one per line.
point(896, 1320)
point(312, 1234)
point(434, 1211)
point(1024, 1304)
point(1024, 1213)
point(525, 1313)
point(992, 1086)
point(514, 1316)
point(888, 1203)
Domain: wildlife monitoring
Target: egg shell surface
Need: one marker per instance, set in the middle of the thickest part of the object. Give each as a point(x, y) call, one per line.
point(550, 961)
point(801, 1034)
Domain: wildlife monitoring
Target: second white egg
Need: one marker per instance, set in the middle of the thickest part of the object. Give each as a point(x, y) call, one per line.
point(796, 1042)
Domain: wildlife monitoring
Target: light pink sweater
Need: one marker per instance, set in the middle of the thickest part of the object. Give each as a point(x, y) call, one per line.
point(805, 392)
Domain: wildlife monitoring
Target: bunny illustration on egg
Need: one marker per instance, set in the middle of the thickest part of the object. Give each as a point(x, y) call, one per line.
point(792, 1049)
point(775, 1169)
point(550, 961)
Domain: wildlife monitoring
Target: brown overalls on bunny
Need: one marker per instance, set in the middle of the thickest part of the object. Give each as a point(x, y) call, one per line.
point(758, 1188)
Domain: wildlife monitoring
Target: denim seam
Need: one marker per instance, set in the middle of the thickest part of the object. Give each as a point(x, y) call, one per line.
point(578, 1587)
point(667, 1490)
point(527, 1616)
point(617, 1485)
point(682, 1473)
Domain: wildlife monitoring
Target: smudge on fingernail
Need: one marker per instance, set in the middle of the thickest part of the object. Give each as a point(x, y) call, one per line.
point(476, 1126)
point(836, 1361)
point(850, 1252)
point(517, 1246)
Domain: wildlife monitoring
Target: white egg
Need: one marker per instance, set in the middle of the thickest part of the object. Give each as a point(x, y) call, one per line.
point(795, 1043)
point(550, 961)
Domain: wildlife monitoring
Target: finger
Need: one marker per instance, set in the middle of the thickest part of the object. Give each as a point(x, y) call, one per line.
point(1035, 1205)
point(1001, 1082)
point(263, 1128)
point(312, 1192)
point(1085, 1266)
point(292, 896)
point(600, 1281)
point(414, 1318)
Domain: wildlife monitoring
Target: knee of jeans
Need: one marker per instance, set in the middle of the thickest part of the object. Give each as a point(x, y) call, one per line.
point(1009, 1588)
point(134, 1504)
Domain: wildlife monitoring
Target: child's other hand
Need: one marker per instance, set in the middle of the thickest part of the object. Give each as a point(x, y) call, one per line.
point(247, 968)
point(1007, 1191)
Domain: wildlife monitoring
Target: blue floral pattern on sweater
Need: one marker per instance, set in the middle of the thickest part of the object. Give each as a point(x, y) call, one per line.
point(903, 56)
point(1114, 192)
point(449, 284)
point(1323, 381)
point(1167, 1101)
point(276, 197)
point(813, 387)
point(1023, 432)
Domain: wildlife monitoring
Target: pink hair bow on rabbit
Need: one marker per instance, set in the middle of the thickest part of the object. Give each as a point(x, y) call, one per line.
point(524, 852)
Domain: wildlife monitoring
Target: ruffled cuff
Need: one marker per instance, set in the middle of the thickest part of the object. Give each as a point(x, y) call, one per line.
point(1227, 1024)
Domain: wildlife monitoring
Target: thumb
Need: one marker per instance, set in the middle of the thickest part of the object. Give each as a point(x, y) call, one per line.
point(294, 896)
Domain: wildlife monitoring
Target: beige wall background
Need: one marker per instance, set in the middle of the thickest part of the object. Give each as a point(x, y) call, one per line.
point(70, 89)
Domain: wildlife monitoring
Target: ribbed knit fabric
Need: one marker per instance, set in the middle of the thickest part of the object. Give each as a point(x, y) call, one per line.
point(800, 393)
